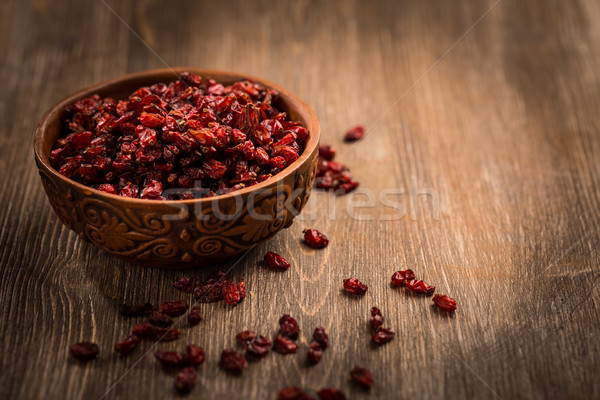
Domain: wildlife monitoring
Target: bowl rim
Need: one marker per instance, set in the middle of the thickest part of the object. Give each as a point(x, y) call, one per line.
point(44, 162)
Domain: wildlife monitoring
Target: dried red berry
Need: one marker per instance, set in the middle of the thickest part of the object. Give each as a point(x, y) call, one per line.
point(143, 330)
point(315, 239)
point(376, 320)
point(258, 347)
point(362, 376)
point(444, 302)
point(401, 277)
point(331, 394)
point(355, 133)
point(241, 287)
point(275, 261)
point(174, 308)
point(186, 284)
point(321, 337)
point(194, 315)
point(186, 380)
point(288, 326)
point(327, 152)
point(418, 286)
point(84, 351)
point(315, 352)
point(127, 345)
point(160, 319)
point(382, 336)
point(136, 310)
point(354, 286)
point(165, 334)
point(231, 294)
point(284, 345)
point(171, 358)
point(245, 336)
point(195, 354)
point(233, 361)
point(290, 393)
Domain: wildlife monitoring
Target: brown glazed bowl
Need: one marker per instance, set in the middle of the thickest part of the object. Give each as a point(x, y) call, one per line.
point(178, 233)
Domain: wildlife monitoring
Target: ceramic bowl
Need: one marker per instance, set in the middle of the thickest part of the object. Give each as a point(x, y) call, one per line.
point(182, 233)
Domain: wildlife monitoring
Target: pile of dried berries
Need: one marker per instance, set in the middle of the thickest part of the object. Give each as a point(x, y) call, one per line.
point(189, 139)
point(333, 175)
point(408, 280)
point(217, 287)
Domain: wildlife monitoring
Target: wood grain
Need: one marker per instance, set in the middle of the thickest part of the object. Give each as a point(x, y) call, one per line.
point(492, 161)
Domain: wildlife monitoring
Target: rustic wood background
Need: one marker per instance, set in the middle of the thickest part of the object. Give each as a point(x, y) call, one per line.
point(484, 135)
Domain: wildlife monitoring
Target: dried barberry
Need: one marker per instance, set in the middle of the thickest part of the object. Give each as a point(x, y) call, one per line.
point(321, 337)
point(382, 336)
point(355, 133)
point(136, 310)
point(160, 319)
point(376, 320)
point(444, 302)
point(284, 345)
point(401, 277)
point(194, 315)
point(315, 239)
point(314, 353)
point(233, 361)
point(354, 286)
point(195, 354)
point(165, 334)
point(84, 351)
point(362, 376)
point(290, 393)
point(418, 286)
point(327, 152)
point(275, 261)
point(245, 336)
point(126, 346)
point(288, 327)
point(185, 380)
point(143, 330)
point(171, 358)
point(173, 308)
point(258, 347)
point(231, 294)
point(186, 284)
point(331, 394)
point(241, 287)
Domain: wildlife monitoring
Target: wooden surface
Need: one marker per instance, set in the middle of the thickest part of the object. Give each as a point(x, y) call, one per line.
point(486, 137)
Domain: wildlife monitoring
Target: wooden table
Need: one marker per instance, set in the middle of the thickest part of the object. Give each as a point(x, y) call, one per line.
point(480, 171)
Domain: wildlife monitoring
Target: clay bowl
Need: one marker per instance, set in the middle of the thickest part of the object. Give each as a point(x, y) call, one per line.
point(181, 233)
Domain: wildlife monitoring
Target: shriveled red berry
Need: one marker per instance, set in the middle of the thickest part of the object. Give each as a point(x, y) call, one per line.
point(174, 308)
point(231, 294)
point(376, 320)
point(331, 394)
point(444, 302)
point(401, 277)
point(258, 347)
point(143, 330)
point(84, 351)
point(241, 287)
point(290, 393)
point(136, 310)
point(354, 286)
point(126, 346)
point(233, 361)
point(284, 345)
point(314, 353)
point(275, 261)
point(171, 358)
point(355, 133)
point(382, 336)
point(321, 337)
point(362, 376)
point(245, 336)
point(185, 380)
point(160, 319)
point(194, 315)
point(186, 284)
point(418, 286)
point(195, 354)
point(165, 334)
point(327, 152)
point(288, 326)
point(315, 239)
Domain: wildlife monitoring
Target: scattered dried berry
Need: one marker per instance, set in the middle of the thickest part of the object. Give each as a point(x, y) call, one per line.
point(194, 315)
point(321, 337)
point(143, 330)
point(127, 345)
point(275, 261)
point(245, 336)
point(288, 327)
point(165, 334)
point(241, 287)
point(174, 308)
point(258, 347)
point(327, 152)
point(444, 302)
point(315, 239)
point(284, 345)
point(382, 336)
point(186, 380)
point(171, 358)
point(401, 277)
point(315, 352)
point(231, 294)
point(331, 394)
point(362, 376)
point(186, 284)
point(136, 310)
point(290, 393)
point(84, 351)
point(376, 320)
point(195, 354)
point(160, 319)
point(354, 286)
point(233, 361)
point(418, 286)
point(355, 133)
